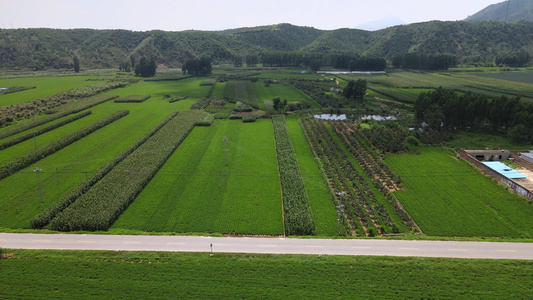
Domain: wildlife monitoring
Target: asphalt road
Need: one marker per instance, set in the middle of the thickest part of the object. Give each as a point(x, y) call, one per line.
point(486, 250)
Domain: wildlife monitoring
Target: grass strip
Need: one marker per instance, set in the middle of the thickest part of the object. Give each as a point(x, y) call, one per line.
point(149, 275)
point(25, 161)
point(67, 109)
point(45, 217)
point(51, 127)
point(297, 211)
point(108, 198)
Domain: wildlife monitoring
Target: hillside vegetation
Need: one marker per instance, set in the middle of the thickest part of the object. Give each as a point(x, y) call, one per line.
point(37, 49)
point(509, 11)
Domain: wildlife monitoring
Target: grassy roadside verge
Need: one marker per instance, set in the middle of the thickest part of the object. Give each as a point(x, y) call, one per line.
point(110, 274)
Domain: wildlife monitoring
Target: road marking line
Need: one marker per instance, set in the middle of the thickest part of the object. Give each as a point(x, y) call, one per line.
point(131, 242)
point(362, 247)
point(409, 248)
point(314, 246)
point(86, 241)
point(507, 250)
point(457, 249)
point(221, 244)
point(42, 240)
point(176, 243)
point(267, 245)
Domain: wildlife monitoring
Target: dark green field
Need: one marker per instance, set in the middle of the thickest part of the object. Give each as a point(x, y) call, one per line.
point(99, 274)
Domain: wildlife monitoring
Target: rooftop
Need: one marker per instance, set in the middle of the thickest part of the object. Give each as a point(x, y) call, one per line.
point(504, 170)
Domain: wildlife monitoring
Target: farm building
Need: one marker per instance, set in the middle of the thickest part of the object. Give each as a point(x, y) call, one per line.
point(489, 155)
point(527, 156)
point(504, 170)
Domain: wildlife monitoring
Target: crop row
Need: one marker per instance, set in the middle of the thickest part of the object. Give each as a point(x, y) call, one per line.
point(108, 198)
point(50, 127)
point(67, 109)
point(373, 165)
point(132, 99)
point(30, 158)
point(297, 211)
point(341, 176)
point(45, 217)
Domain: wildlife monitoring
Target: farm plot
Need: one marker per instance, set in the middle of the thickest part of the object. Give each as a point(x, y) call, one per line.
point(448, 197)
point(196, 192)
point(45, 86)
point(283, 91)
point(67, 168)
point(320, 197)
point(242, 90)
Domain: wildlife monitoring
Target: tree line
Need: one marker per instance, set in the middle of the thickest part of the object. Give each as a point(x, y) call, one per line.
point(351, 61)
point(197, 66)
point(421, 61)
point(444, 110)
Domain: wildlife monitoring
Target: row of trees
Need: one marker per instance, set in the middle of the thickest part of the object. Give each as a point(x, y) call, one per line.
point(444, 110)
point(355, 90)
point(514, 59)
point(421, 61)
point(197, 66)
point(315, 61)
point(145, 67)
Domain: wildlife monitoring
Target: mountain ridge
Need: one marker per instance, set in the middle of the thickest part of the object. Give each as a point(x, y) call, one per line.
point(54, 48)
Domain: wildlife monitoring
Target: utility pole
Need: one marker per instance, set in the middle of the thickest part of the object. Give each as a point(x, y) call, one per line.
point(340, 211)
point(39, 180)
point(225, 150)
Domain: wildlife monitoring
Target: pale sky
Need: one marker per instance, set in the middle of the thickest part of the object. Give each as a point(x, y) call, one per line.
point(178, 15)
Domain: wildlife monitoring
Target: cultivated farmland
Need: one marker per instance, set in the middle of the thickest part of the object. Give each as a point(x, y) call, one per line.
point(196, 192)
point(448, 197)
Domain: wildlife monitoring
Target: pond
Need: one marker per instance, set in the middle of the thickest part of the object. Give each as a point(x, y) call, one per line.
point(354, 117)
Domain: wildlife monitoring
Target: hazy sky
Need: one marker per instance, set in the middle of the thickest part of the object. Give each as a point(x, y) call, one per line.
point(177, 15)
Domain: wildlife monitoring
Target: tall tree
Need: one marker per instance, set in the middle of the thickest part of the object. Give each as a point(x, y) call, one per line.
point(76, 62)
point(145, 67)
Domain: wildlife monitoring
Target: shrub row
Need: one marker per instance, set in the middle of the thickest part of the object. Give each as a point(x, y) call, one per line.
point(29, 135)
point(132, 99)
point(45, 217)
point(25, 161)
point(297, 211)
point(67, 109)
point(176, 99)
point(108, 198)
point(15, 89)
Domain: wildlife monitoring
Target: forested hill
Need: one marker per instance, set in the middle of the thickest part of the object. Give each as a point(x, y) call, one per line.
point(513, 10)
point(54, 48)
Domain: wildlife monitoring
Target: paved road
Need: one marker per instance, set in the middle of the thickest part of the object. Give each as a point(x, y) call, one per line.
point(269, 245)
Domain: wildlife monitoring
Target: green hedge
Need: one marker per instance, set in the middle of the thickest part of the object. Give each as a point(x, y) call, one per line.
point(132, 99)
point(297, 211)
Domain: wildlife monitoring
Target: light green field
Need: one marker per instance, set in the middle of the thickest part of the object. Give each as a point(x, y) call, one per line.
point(20, 199)
point(448, 197)
point(45, 86)
point(149, 275)
point(188, 195)
point(283, 91)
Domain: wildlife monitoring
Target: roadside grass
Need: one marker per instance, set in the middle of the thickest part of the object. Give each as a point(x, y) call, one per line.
point(45, 86)
point(449, 197)
point(118, 274)
point(249, 204)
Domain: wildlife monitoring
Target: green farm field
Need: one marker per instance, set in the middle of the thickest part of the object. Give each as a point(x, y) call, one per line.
point(20, 200)
point(283, 91)
point(448, 197)
point(189, 195)
point(519, 76)
point(45, 86)
point(114, 274)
